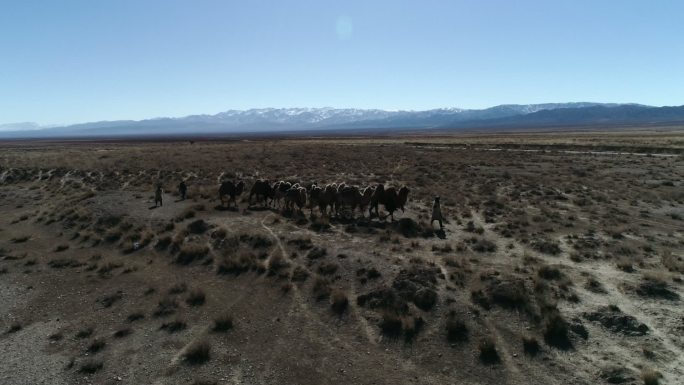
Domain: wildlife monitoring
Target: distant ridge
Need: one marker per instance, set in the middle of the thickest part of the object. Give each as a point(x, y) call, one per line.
point(274, 120)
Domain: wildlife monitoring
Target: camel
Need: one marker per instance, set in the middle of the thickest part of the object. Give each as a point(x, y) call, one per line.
point(232, 190)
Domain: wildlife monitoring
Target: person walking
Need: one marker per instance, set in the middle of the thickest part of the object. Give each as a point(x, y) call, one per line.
point(437, 214)
point(158, 196)
point(182, 189)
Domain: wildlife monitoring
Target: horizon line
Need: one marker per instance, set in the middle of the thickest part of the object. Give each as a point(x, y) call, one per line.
point(40, 126)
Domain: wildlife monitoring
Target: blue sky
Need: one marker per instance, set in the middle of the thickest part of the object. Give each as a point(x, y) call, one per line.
point(68, 61)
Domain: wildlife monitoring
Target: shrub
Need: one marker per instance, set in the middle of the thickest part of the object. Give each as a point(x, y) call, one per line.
point(425, 298)
point(549, 272)
point(484, 246)
point(64, 262)
point(339, 302)
point(651, 377)
point(178, 288)
point(96, 345)
point(135, 317)
point(300, 274)
point(276, 264)
point(411, 326)
point(317, 253)
point(196, 298)
point(204, 382)
point(174, 326)
point(328, 268)
point(391, 324)
point(198, 227)
point(121, 333)
point(556, 331)
point(321, 289)
point(530, 345)
point(223, 323)
point(112, 235)
point(109, 300)
point(488, 352)
point(197, 353)
point(20, 239)
point(85, 333)
point(456, 329)
point(546, 246)
point(15, 327)
point(61, 248)
point(190, 252)
point(90, 366)
point(166, 307)
point(163, 243)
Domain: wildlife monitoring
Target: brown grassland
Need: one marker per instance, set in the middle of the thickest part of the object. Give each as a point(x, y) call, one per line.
point(561, 262)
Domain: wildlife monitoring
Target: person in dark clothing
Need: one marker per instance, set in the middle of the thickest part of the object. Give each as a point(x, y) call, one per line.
point(158, 196)
point(182, 190)
point(437, 213)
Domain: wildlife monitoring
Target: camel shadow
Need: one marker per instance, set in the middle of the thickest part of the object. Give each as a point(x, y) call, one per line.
point(260, 208)
point(224, 208)
point(440, 234)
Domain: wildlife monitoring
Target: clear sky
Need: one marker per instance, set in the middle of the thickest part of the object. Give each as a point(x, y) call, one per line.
point(68, 61)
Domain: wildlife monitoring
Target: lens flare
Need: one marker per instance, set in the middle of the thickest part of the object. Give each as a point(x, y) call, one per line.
point(344, 28)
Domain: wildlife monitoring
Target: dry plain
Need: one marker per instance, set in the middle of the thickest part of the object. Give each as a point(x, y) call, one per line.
point(561, 262)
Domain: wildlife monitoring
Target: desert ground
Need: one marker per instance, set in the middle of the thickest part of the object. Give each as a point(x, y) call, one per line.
point(561, 262)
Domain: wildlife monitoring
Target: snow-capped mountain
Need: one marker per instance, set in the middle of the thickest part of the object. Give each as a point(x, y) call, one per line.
point(262, 120)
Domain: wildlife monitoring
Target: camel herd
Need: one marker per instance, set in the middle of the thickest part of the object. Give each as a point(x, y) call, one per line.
point(329, 199)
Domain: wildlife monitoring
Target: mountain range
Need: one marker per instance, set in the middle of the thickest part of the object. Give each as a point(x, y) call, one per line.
point(331, 120)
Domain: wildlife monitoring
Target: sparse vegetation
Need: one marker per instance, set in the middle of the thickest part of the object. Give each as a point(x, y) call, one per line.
point(174, 326)
point(488, 353)
point(96, 345)
point(651, 377)
point(85, 333)
point(456, 328)
point(91, 366)
point(62, 247)
point(339, 302)
point(191, 252)
point(531, 345)
point(198, 353)
point(528, 237)
point(223, 323)
point(321, 289)
point(196, 298)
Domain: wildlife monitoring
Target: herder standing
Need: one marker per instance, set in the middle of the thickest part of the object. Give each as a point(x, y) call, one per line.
point(437, 213)
point(182, 189)
point(158, 196)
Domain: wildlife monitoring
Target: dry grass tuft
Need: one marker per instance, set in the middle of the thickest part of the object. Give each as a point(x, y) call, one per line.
point(456, 329)
point(339, 302)
point(223, 323)
point(91, 366)
point(196, 298)
point(191, 252)
point(531, 345)
point(85, 333)
point(198, 353)
point(321, 289)
point(651, 377)
point(174, 326)
point(488, 353)
point(96, 345)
